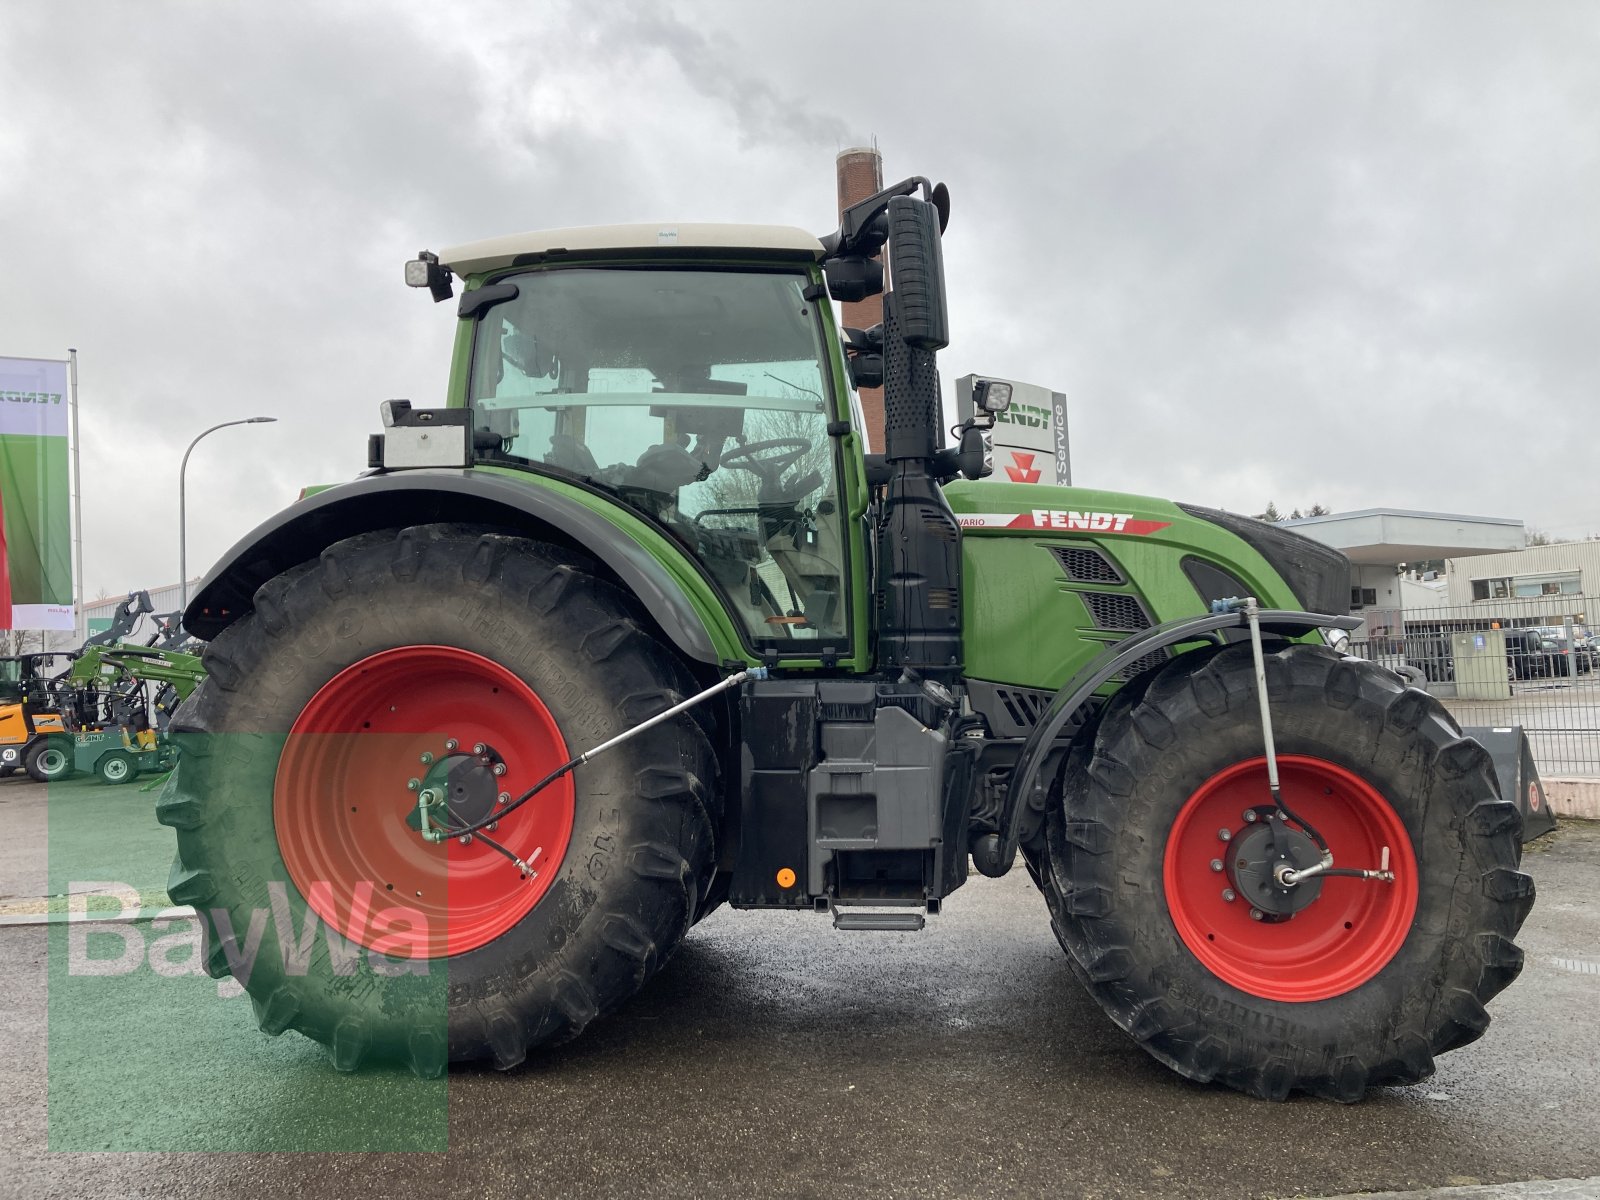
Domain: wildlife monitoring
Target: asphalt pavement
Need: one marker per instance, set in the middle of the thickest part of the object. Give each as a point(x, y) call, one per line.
point(772, 1057)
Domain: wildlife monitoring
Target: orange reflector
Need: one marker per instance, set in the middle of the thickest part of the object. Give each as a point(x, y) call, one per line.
point(785, 877)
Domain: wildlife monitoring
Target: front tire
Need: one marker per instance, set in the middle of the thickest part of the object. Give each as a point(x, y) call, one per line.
point(401, 656)
point(1365, 982)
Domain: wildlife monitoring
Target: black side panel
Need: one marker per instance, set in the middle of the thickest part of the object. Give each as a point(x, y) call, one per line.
point(779, 721)
point(1214, 583)
point(1318, 575)
point(304, 530)
point(1011, 712)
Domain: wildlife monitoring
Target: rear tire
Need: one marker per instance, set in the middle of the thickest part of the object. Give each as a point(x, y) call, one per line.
point(1356, 993)
point(627, 838)
point(49, 761)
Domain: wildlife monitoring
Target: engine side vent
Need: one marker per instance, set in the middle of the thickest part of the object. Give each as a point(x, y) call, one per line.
point(1024, 705)
point(1116, 611)
point(1012, 712)
point(1083, 565)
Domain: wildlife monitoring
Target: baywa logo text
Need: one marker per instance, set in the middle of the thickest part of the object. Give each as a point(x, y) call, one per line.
point(392, 938)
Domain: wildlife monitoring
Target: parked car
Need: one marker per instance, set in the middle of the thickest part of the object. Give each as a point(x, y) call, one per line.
point(1430, 653)
point(1526, 655)
point(1584, 647)
point(1555, 644)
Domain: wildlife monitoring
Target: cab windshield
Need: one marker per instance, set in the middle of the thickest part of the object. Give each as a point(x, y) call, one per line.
point(698, 398)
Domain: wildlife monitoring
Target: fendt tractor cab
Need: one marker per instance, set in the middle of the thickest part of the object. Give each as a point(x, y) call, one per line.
point(636, 625)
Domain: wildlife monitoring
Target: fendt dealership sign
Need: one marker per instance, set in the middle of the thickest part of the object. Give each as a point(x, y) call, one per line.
point(1030, 437)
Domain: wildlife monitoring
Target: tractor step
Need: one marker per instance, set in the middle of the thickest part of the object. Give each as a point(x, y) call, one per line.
point(904, 922)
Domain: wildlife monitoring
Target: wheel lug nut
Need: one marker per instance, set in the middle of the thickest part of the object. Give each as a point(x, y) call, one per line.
point(479, 748)
point(499, 768)
point(1250, 816)
point(465, 839)
point(452, 744)
point(1225, 834)
point(1256, 914)
point(427, 757)
point(1229, 895)
point(492, 826)
point(503, 798)
point(1216, 864)
point(414, 785)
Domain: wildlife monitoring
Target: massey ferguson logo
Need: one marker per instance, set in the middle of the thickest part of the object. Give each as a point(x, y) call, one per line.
point(1064, 518)
point(1024, 471)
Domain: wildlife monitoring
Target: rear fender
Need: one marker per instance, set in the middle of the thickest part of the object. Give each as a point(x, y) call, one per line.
point(304, 530)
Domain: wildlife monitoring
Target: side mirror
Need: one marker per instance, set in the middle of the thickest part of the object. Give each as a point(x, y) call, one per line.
point(916, 264)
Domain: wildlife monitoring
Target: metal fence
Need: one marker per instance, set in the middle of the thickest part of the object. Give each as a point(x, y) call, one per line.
point(1548, 681)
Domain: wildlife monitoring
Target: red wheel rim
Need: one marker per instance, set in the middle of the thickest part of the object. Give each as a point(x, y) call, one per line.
point(1343, 937)
point(341, 802)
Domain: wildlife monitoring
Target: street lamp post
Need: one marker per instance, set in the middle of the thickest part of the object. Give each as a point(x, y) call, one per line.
point(183, 548)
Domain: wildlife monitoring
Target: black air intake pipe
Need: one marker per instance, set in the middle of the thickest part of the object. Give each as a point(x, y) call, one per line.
point(919, 541)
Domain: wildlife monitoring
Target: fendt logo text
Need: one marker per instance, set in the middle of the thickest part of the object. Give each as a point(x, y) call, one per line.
point(1098, 522)
point(1064, 518)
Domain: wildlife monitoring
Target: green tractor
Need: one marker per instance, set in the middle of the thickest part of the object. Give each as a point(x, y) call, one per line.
point(636, 626)
point(106, 701)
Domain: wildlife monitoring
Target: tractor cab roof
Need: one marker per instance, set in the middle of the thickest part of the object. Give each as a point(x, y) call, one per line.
point(632, 241)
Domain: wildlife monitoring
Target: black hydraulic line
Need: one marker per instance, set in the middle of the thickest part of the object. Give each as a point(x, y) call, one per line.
point(733, 680)
point(1311, 830)
point(476, 826)
point(494, 845)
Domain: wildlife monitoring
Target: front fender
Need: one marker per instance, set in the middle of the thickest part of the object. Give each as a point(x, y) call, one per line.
point(305, 529)
point(993, 853)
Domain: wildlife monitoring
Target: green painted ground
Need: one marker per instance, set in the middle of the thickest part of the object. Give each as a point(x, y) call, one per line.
point(144, 1054)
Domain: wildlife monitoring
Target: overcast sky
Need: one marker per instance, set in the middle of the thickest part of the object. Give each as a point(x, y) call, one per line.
point(1346, 254)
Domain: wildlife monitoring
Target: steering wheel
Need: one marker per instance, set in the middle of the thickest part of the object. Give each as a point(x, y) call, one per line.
point(768, 468)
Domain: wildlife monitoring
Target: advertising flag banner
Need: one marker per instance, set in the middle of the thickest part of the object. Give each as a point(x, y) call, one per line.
point(35, 500)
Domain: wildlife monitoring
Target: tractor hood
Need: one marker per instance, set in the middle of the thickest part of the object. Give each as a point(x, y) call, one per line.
point(1317, 577)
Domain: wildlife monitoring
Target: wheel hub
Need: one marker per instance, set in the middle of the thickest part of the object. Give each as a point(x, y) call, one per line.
point(462, 788)
point(1254, 861)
